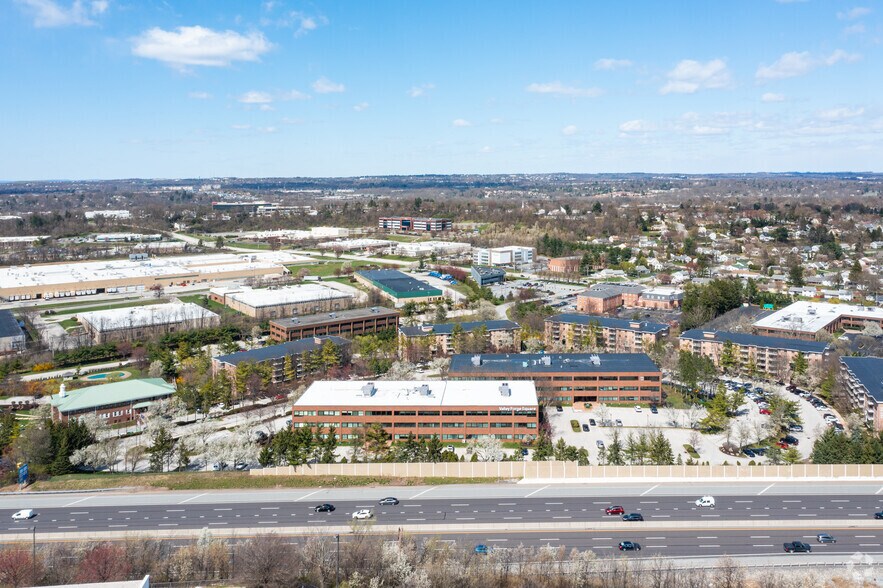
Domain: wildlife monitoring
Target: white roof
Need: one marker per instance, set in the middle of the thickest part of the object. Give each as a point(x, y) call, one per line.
point(810, 317)
point(145, 316)
point(257, 298)
point(663, 291)
point(408, 393)
point(94, 271)
point(356, 243)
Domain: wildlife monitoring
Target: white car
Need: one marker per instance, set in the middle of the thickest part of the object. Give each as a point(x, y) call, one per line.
point(637, 408)
point(705, 501)
point(365, 513)
point(24, 515)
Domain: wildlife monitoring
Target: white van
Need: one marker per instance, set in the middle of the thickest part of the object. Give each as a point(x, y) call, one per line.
point(705, 501)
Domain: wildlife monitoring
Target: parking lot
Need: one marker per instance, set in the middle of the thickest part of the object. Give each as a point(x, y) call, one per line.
point(553, 292)
point(748, 428)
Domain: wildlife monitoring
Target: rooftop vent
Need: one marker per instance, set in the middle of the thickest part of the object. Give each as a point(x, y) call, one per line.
point(426, 328)
point(476, 360)
point(708, 334)
point(505, 390)
point(546, 360)
point(595, 359)
point(424, 390)
point(369, 389)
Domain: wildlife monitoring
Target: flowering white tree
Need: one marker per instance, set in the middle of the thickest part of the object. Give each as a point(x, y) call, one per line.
point(487, 448)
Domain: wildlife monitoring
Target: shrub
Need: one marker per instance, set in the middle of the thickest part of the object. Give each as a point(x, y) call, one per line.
point(691, 451)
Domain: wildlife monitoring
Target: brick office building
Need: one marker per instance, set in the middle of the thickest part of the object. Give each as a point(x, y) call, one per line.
point(118, 402)
point(606, 298)
point(450, 410)
point(612, 335)
point(570, 377)
point(346, 323)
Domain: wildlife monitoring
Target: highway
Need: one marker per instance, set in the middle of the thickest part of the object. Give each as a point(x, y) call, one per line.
point(749, 518)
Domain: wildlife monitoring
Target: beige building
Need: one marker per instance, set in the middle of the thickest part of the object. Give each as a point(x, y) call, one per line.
point(143, 323)
point(425, 341)
point(574, 332)
point(282, 302)
point(864, 388)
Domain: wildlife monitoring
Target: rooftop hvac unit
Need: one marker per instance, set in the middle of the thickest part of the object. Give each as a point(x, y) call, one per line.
point(595, 359)
point(505, 390)
point(546, 360)
point(476, 360)
point(524, 364)
point(369, 389)
point(424, 390)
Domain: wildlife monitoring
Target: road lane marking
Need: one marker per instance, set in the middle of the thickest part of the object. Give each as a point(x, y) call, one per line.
point(654, 538)
point(648, 491)
point(789, 501)
point(839, 501)
point(269, 508)
point(806, 515)
point(193, 498)
point(460, 504)
point(73, 527)
point(511, 518)
point(759, 515)
point(112, 526)
point(168, 524)
point(306, 496)
point(218, 523)
point(763, 545)
point(879, 491)
point(709, 546)
point(554, 503)
point(415, 519)
point(655, 546)
point(222, 509)
point(767, 488)
point(535, 491)
point(497, 540)
point(865, 536)
point(869, 545)
point(507, 504)
point(561, 517)
point(743, 501)
point(465, 518)
point(759, 537)
point(649, 502)
point(126, 511)
point(601, 538)
point(81, 512)
point(660, 516)
point(76, 502)
point(551, 539)
point(424, 492)
point(706, 537)
point(175, 510)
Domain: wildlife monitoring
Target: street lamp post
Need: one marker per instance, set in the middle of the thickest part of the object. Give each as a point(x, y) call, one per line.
point(337, 572)
point(34, 553)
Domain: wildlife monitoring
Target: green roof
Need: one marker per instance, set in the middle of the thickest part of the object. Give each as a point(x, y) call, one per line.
point(123, 392)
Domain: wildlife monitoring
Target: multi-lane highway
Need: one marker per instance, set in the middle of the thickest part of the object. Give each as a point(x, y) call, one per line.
point(749, 518)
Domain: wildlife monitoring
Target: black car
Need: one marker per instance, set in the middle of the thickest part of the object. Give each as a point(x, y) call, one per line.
point(585, 428)
point(796, 428)
point(632, 517)
point(878, 515)
point(592, 422)
point(749, 453)
point(797, 547)
point(629, 546)
point(653, 409)
point(790, 440)
point(325, 508)
point(559, 408)
point(388, 501)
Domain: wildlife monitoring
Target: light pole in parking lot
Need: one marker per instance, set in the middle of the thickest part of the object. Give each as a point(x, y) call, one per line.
point(337, 572)
point(34, 553)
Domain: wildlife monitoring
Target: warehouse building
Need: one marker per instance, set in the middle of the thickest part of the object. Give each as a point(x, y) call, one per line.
point(118, 402)
point(607, 297)
point(305, 358)
point(450, 410)
point(12, 337)
point(398, 287)
point(805, 320)
point(61, 280)
point(569, 378)
point(864, 387)
point(612, 335)
point(771, 355)
point(142, 323)
point(485, 276)
point(274, 303)
point(346, 323)
point(421, 342)
point(512, 255)
point(416, 224)
point(427, 248)
point(565, 265)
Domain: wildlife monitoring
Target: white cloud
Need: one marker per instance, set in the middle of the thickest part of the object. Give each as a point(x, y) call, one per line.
point(569, 130)
point(558, 89)
point(706, 130)
point(240, 127)
point(361, 107)
point(461, 122)
point(854, 13)
point(293, 95)
point(325, 86)
point(798, 63)
point(690, 76)
point(636, 126)
point(772, 97)
point(487, 149)
point(856, 29)
point(608, 63)
point(52, 14)
point(842, 113)
point(267, 129)
point(255, 97)
point(196, 45)
point(301, 22)
point(422, 90)
point(199, 95)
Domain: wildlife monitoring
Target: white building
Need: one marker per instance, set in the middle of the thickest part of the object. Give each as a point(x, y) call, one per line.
point(513, 255)
point(427, 248)
point(145, 322)
point(263, 303)
point(118, 214)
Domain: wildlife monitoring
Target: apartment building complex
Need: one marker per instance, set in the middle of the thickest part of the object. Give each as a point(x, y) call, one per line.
point(424, 341)
point(605, 298)
point(593, 332)
point(287, 361)
point(346, 323)
point(863, 377)
point(770, 355)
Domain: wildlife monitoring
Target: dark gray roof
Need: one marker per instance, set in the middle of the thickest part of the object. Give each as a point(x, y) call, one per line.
point(488, 272)
point(607, 289)
point(342, 315)
point(757, 340)
point(869, 372)
point(281, 350)
point(448, 328)
point(8, 325)
point(526, 363)
point(608, 322)
point(398, 282)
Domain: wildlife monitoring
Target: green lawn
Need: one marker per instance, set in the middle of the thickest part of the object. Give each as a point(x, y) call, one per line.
point(404, 238)
point(68, 324)
point(63, 305)
point(248, 245)
point(328, 268)
point(110, 306)
point(205, 302)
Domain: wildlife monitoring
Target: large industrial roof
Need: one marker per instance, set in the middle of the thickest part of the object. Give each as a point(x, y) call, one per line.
point(146, 316)
point(810, 317)
point(522, 393)
point(398, 283)
point(520, 363)
point(260, 297)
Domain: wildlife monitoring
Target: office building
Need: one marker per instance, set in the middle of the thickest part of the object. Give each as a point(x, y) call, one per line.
point(485, 276)
point(144, 323)
point(805, 320)
point(285, 301)
point(346, 323)
point(114, 403)
point(276, 357)
point(512, 255)
point(415, 224)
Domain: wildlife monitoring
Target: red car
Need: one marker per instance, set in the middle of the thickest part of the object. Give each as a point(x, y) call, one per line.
point(782, 445)
point(765, 411)
point(614, 510)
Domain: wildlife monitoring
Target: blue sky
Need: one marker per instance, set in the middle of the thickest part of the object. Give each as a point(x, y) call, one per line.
point(155, 88)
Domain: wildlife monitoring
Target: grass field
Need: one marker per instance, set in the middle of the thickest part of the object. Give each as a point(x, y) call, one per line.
point(232, 480)
point(142, 302)
point(248, 245)
point(204, 301)
point(68, 324)
point(328, 268)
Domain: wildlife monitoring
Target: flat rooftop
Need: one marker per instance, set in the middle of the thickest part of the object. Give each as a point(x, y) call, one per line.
point(82, 273)
point(397, 282)
point(419, 393)
point(608, 289)
point(608, 322)
point(868, 371)
point(448, 328)
point(342, 315)
point(531, 363)
point(145, 316)
point(281, 350)
point(9, 326)
point(260, 297)
point(811, 317)
point(756, 340)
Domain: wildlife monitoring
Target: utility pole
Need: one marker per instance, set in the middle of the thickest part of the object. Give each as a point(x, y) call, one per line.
point(337, 573)
point(34, 554)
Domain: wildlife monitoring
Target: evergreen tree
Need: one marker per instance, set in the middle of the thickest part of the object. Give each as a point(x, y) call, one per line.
point(800, 365)
point(615, 451)
point(161, 448)
point(288, 371)
point(434, 449)
point(728, 356)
